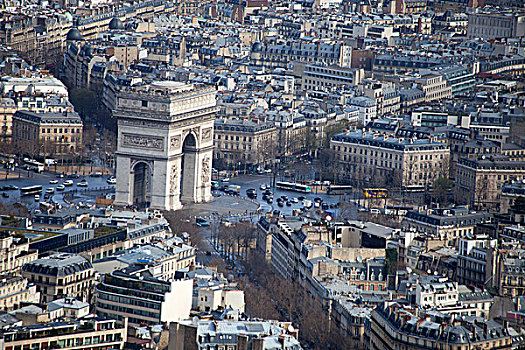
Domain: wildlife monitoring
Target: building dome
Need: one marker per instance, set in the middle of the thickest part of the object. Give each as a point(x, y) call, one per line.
point(257, 47)
point(116, 24)
point(74, 35)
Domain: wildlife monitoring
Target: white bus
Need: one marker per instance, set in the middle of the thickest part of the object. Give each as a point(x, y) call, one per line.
point(30, 190)
point(291, 186)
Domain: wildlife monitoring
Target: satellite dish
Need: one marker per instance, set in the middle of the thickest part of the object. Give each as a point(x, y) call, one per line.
point(359, 258)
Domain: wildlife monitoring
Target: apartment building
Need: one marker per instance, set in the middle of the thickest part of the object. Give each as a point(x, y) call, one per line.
point(393, 326)
point(332, 53)
point(403, 64)
point(60, 275)
point(367, 108)
point(48, 132)
point(14, 252)
point(15, 291)
point(458, 77)
point(90, 334)
point(132, 294)
point(445, 224)
point(244, 143)
point(492, 25)
point(318, 77)
point(162, 258)
point(479, 181)
point(476, 260)
point(508, 279)
point(217, 297)
point(7, 109)
point(233, 334)
point(388, 99)
point(371, 158)
point(435, 87)
point(37, 37)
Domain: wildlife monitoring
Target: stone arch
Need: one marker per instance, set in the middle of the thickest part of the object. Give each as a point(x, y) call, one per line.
point(188, 168)
point(141, 175)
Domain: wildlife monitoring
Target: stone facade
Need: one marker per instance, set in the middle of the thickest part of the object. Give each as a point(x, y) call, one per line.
point(165, 145)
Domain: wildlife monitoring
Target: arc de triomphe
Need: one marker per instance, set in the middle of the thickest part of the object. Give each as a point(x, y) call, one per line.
point(165, 144)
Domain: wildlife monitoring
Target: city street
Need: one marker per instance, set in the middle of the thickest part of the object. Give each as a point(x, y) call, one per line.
point(43, 179)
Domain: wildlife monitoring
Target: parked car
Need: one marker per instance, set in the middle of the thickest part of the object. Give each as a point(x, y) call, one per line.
point(82, 183)
point(53, 182)
point(60, 187)
point(112, 180)
point(68, 183)
point(5, 195)
point(50, 190)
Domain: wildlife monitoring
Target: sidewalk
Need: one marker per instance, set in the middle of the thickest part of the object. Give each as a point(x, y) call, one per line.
point(11, 175)
point(79, 169)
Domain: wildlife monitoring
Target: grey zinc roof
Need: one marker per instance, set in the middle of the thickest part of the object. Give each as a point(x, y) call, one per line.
point(61, 264)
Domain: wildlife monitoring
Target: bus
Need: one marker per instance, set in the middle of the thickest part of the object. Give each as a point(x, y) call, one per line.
point(339, 189)
point(291, 186)
point(36, 166)
point(415, 188)
point(30, 190)
point(375, 192)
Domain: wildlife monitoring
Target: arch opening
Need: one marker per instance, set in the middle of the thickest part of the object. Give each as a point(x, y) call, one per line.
point(142, 185)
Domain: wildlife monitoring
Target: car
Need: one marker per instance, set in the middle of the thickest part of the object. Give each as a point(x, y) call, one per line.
point(82, 183)
point(301, 198)
point(112, 180)
point(280, 203)
point(270, 200)
point(96, 174)
point(37, 198)
point(325, 206)
point(5, 195)
point(288, 204)
point(60, 187)
point(60, 176)
point(284, 197)
point(263, 187)
point(268, 171)
point(50, 190)
point(294, 200)
point(68, 183)
point(201, 222)
point(268, 192)
point(53, 182)
point(318, 199)
point(276, 212)
point(73, 176)
point(226, 179)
